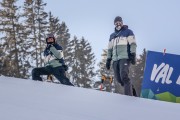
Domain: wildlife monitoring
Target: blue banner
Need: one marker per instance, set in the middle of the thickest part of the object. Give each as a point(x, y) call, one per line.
point(161, 79)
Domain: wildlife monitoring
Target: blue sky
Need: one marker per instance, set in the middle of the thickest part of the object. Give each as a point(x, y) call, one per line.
point(155, 23)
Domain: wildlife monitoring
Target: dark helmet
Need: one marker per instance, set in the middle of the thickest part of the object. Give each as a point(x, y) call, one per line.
point(118, 18)
point(50, 36)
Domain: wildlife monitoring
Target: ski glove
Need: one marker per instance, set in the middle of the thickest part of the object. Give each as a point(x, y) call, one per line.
point(65, 67)
point(108, 63)
point(47, 51)
point(132, 58)
point(48, 46)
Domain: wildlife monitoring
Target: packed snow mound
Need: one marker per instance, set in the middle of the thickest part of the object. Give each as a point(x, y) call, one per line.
point(33, 100)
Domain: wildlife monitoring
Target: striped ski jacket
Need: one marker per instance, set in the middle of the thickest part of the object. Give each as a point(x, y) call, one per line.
point(121, 44)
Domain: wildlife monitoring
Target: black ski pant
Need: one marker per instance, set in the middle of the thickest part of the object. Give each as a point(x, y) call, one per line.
point(58, 72)
point(121, 72)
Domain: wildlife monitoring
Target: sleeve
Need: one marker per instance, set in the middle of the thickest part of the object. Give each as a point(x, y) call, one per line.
point(57, 53)
point(110, 49)
point(132, 41)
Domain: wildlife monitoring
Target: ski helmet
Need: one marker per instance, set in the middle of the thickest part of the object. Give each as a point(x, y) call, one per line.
point(50, 36)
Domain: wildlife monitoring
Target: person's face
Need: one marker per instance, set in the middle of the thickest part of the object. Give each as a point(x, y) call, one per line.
point(50, 40)
point(118, 23)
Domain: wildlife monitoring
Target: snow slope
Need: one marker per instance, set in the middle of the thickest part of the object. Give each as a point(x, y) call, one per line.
point(32, 100)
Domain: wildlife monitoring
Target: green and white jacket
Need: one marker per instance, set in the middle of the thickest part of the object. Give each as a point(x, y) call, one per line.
point(121, 44)
point(54, 56)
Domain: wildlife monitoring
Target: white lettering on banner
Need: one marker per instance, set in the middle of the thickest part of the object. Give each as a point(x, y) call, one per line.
point(178, 81)
point(156, 70)
point(163, 71)
point(168, 81)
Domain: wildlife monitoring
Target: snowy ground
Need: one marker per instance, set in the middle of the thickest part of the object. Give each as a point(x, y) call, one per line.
point(33, 100)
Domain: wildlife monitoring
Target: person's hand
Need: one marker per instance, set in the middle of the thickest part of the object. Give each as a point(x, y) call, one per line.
point(48, 49)
point(48, 46)
point(65, 67)
point(108, 64)
point(132, 58)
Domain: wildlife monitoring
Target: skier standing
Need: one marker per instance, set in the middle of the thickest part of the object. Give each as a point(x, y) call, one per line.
point(54, 62)
point(122, 51)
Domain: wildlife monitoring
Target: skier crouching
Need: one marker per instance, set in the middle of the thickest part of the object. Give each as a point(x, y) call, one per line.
point(54, 62)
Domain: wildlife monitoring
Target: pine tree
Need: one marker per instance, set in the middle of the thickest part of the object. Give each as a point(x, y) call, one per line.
point(1, 60)
point(86, 62)
point(53, 24)
point(102, 71)
point(23, 47)
point(63, 38)
point(42, 26)
point(13, 38)
point(137, 71)
point(102, 64)
point(82, 63)
point(36, 24)
point(74, 64)
point(109, 87)
point(31, 29)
